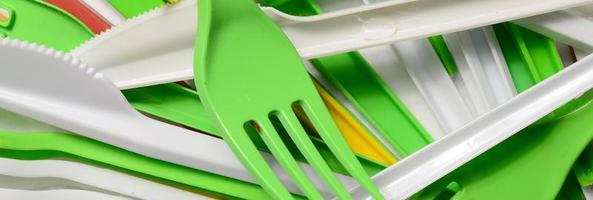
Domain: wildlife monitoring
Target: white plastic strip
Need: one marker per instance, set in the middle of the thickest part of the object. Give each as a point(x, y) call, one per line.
point(109, 180)
point(429, 75)
point(391, 21)
point(482, 69)
point(563, 26)
point(436, 160)
point(105, 11)
point(470, 72)
point(495, 66)
point(58, 194)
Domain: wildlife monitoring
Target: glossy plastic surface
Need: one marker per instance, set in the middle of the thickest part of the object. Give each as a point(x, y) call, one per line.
point(244, 62)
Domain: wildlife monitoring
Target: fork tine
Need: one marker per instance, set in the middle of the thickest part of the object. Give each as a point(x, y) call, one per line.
point(246, 151)
point(305, 145)
point(288, 163)
point(330, 134)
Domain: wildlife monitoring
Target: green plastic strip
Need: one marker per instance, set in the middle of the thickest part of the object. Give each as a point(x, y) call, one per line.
point(103, 153)
point(531, 57)
point(521, 167)
point(42, 23)
point(442, 51)
point(355, 78)
point(132, 8)
point(174, 103)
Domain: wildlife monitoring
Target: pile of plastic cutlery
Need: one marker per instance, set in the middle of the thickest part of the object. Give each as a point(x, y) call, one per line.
point(296, 99)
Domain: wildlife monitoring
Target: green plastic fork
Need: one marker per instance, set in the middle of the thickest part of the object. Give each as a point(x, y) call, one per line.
point(247, 74)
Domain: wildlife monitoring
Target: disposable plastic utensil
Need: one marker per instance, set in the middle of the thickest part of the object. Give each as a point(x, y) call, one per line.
point(436, 160)
point(104, 114)
point(141, 98)
point(93, 177)
point(176, 105)
point(59, 194)
point(244, 62)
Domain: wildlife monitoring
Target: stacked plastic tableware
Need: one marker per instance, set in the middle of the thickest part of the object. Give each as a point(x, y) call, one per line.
point(296, 99)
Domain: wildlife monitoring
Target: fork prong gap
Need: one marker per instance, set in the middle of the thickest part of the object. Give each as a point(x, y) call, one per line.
point(308, 149)
point(243, 146)
point(269, 135)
